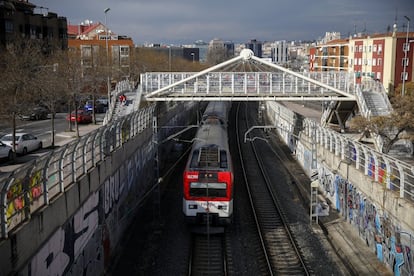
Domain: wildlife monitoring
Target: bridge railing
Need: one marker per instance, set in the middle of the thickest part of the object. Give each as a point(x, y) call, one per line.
point(246, 83)
point(35, 184)
point(394, 174)
point(390, 172)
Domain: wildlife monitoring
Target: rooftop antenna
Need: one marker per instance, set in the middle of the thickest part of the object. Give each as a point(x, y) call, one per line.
point(396, 15)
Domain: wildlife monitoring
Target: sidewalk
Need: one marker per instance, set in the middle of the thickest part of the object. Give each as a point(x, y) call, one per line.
point(62, 138)
point(351, 248)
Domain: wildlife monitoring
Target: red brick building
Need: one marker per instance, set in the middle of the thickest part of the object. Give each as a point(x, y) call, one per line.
point(378, 56)
point(94, 43)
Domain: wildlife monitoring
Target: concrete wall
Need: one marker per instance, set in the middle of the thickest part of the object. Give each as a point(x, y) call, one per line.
point(80, 230)
point(382, 219)
point(77, 233)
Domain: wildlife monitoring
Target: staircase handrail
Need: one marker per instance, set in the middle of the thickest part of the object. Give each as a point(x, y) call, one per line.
point(363, 107)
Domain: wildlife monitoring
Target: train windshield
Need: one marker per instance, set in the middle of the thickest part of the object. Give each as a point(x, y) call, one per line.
point(208, 189)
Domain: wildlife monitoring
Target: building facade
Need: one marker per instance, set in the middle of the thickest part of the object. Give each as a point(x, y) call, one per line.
point(255, 46)
point(96, 44)
point(20, 18)
point(332, 56)
point(280, 52)
point(386, 57)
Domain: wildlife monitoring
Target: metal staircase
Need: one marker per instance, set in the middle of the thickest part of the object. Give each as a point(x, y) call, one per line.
point(371, 101)
point(116, 109)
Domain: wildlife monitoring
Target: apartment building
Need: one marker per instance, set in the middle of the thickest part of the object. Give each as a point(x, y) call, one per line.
point(331, 56)
point(280, 52)
point(20, 18)
point(97, 44)
point(378, 56)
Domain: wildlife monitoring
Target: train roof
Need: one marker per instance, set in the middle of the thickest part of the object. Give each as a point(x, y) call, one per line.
point(210, 148)
point(212, 133)
point(218, 110)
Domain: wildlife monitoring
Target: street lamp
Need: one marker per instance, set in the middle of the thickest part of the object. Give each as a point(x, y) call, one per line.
point(405, 55)
point(107, 57)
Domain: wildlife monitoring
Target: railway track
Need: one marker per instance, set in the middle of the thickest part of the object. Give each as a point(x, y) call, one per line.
point(280, 249)
point(208, 255)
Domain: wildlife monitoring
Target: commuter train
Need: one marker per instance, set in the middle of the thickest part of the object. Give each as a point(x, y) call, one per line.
point(208, 176)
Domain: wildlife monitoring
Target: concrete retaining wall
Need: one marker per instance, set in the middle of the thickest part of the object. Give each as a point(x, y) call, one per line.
point(77, 232)
point(80, 230)
point(382, 219)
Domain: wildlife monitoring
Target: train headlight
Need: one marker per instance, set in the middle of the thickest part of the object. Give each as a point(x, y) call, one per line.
point(192, 206)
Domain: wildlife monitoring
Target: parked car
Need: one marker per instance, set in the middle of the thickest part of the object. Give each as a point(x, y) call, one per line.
point(100, 107)
point(6, 152)
point(37, 113)
point(24, 142)
point(83, 116)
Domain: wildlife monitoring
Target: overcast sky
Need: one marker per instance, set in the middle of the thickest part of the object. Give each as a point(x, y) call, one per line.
point(185, 21)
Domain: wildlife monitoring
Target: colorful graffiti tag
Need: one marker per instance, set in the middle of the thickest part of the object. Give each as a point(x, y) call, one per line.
point(378, 230)
point(22, 193)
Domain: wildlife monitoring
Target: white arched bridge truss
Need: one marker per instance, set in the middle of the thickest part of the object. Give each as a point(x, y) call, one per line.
point(247, 78)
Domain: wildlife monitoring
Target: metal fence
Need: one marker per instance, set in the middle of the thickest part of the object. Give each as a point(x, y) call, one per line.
point(392, 173)
point(230, 83)
point(35, 184)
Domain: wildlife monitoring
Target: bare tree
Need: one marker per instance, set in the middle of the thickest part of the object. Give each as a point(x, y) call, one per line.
point(20, 64)
point(217, 55)
point(52, 90)
point(150, 60)
point(75, 82)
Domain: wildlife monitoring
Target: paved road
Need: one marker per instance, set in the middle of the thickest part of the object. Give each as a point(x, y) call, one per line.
point(41, 129)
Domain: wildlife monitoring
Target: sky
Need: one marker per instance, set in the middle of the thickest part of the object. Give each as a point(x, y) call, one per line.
point(185, 21)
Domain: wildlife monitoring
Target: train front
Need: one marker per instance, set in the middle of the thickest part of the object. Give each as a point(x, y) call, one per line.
point(208, 179)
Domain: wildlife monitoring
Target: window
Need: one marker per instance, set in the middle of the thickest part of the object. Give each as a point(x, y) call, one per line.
point(406, 47)
point(405, 62)
point(9, 27)
point(374, 62)
point(379, 48)
point(360, 61)
point(404, 76)
point(369, 48)
point(124, 50)
point(350, 62)
point(375, 48)
point(210, 189)
point(379, 61)
point(86, 51)
point(360, 48)
point(378, 75)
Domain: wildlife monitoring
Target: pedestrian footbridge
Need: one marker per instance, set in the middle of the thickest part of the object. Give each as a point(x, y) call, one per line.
point(249, 78)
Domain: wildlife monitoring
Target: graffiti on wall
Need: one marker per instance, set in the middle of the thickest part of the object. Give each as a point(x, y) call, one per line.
point(82, 246)
point(68, 244)
point(22, 193)
point(379, 231)
point(112, 188)
point(326, 180)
